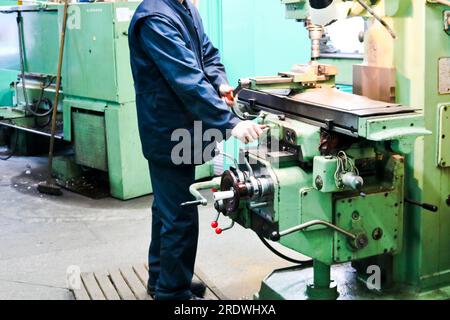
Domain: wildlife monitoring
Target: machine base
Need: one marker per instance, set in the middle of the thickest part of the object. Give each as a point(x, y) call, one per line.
point(292, 283)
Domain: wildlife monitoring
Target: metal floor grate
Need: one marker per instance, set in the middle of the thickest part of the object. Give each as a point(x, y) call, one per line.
point(127, 283)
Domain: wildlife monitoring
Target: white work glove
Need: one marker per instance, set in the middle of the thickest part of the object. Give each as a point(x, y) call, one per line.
point(248, 131)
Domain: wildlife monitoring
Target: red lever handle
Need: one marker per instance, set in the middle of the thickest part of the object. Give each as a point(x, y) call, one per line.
point(230, 95)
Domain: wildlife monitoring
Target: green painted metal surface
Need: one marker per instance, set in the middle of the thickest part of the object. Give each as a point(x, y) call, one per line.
point(324, 169)
point(97, 58)
point(379, 213)
point(373, 215)
point(90, 140)
point(6, 92)
point(65, 168)
point(40, 40)
point(291, 284)
point(425, 260)
point(128, 169)
point(443, 157)
point(322, 288)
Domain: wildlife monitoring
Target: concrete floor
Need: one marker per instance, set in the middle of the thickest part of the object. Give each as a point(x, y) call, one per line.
point(40, 236)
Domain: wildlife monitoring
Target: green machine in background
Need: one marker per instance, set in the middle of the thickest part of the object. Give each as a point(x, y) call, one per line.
point(97, 108)
point(357, 182)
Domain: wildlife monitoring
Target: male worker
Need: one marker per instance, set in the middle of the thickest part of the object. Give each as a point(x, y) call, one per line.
point(178, 79)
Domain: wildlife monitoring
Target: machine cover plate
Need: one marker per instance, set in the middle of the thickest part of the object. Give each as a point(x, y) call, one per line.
point(347, 102)
point(444, 75)
point(327, 108)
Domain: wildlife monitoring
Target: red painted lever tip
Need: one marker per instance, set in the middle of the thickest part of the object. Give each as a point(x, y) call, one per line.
point(214, 224)
point(219, 230)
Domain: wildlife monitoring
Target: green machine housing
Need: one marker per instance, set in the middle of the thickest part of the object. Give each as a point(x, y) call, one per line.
point(356, 189)
point(97, 108)
point(330, 190)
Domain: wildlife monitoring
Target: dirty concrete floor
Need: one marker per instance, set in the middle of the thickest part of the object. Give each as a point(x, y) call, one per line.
point(40, 236)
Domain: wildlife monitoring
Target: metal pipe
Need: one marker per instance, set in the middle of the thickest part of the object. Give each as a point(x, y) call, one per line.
point(229, 227)
point(249, 167)
point(195, 188)
point(313, 223)
point(322, 275)
point(226, 155)
point(378, 18)
point(31, 130)
point(223, 195)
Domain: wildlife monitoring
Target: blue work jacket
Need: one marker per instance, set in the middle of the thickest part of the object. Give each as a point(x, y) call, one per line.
point(177, 74)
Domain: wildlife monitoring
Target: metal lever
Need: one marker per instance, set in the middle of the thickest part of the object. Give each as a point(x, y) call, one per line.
point(220, 230)
point(426, 206)
point(275, 236)
point(244, 83)
point(195, 191)
point(378, 18)
point(191, 203)
point(226, 155)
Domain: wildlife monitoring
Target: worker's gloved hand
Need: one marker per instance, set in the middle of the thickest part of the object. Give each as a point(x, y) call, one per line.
point(247, 131)
point(226, 93)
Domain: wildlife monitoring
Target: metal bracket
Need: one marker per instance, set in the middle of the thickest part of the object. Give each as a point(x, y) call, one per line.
point(443, 154)
point(447, 21)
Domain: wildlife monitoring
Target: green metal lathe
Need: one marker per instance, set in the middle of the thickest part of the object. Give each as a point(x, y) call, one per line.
point(97, 111)
point(358, 182)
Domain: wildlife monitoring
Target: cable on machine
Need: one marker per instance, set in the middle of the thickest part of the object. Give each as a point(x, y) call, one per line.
point(13, 148)
point(303, 263)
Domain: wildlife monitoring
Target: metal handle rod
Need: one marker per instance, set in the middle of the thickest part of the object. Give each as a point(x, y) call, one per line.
point(426, 206)
point(249, 167)
point(311, 223)
point(223, 195)
point(226, 155)
point(378, 18)
point(195, 188)
point(229, 227)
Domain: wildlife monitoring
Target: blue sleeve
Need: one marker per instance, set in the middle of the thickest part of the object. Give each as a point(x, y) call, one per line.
point(178, 65)
point(214, 69)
